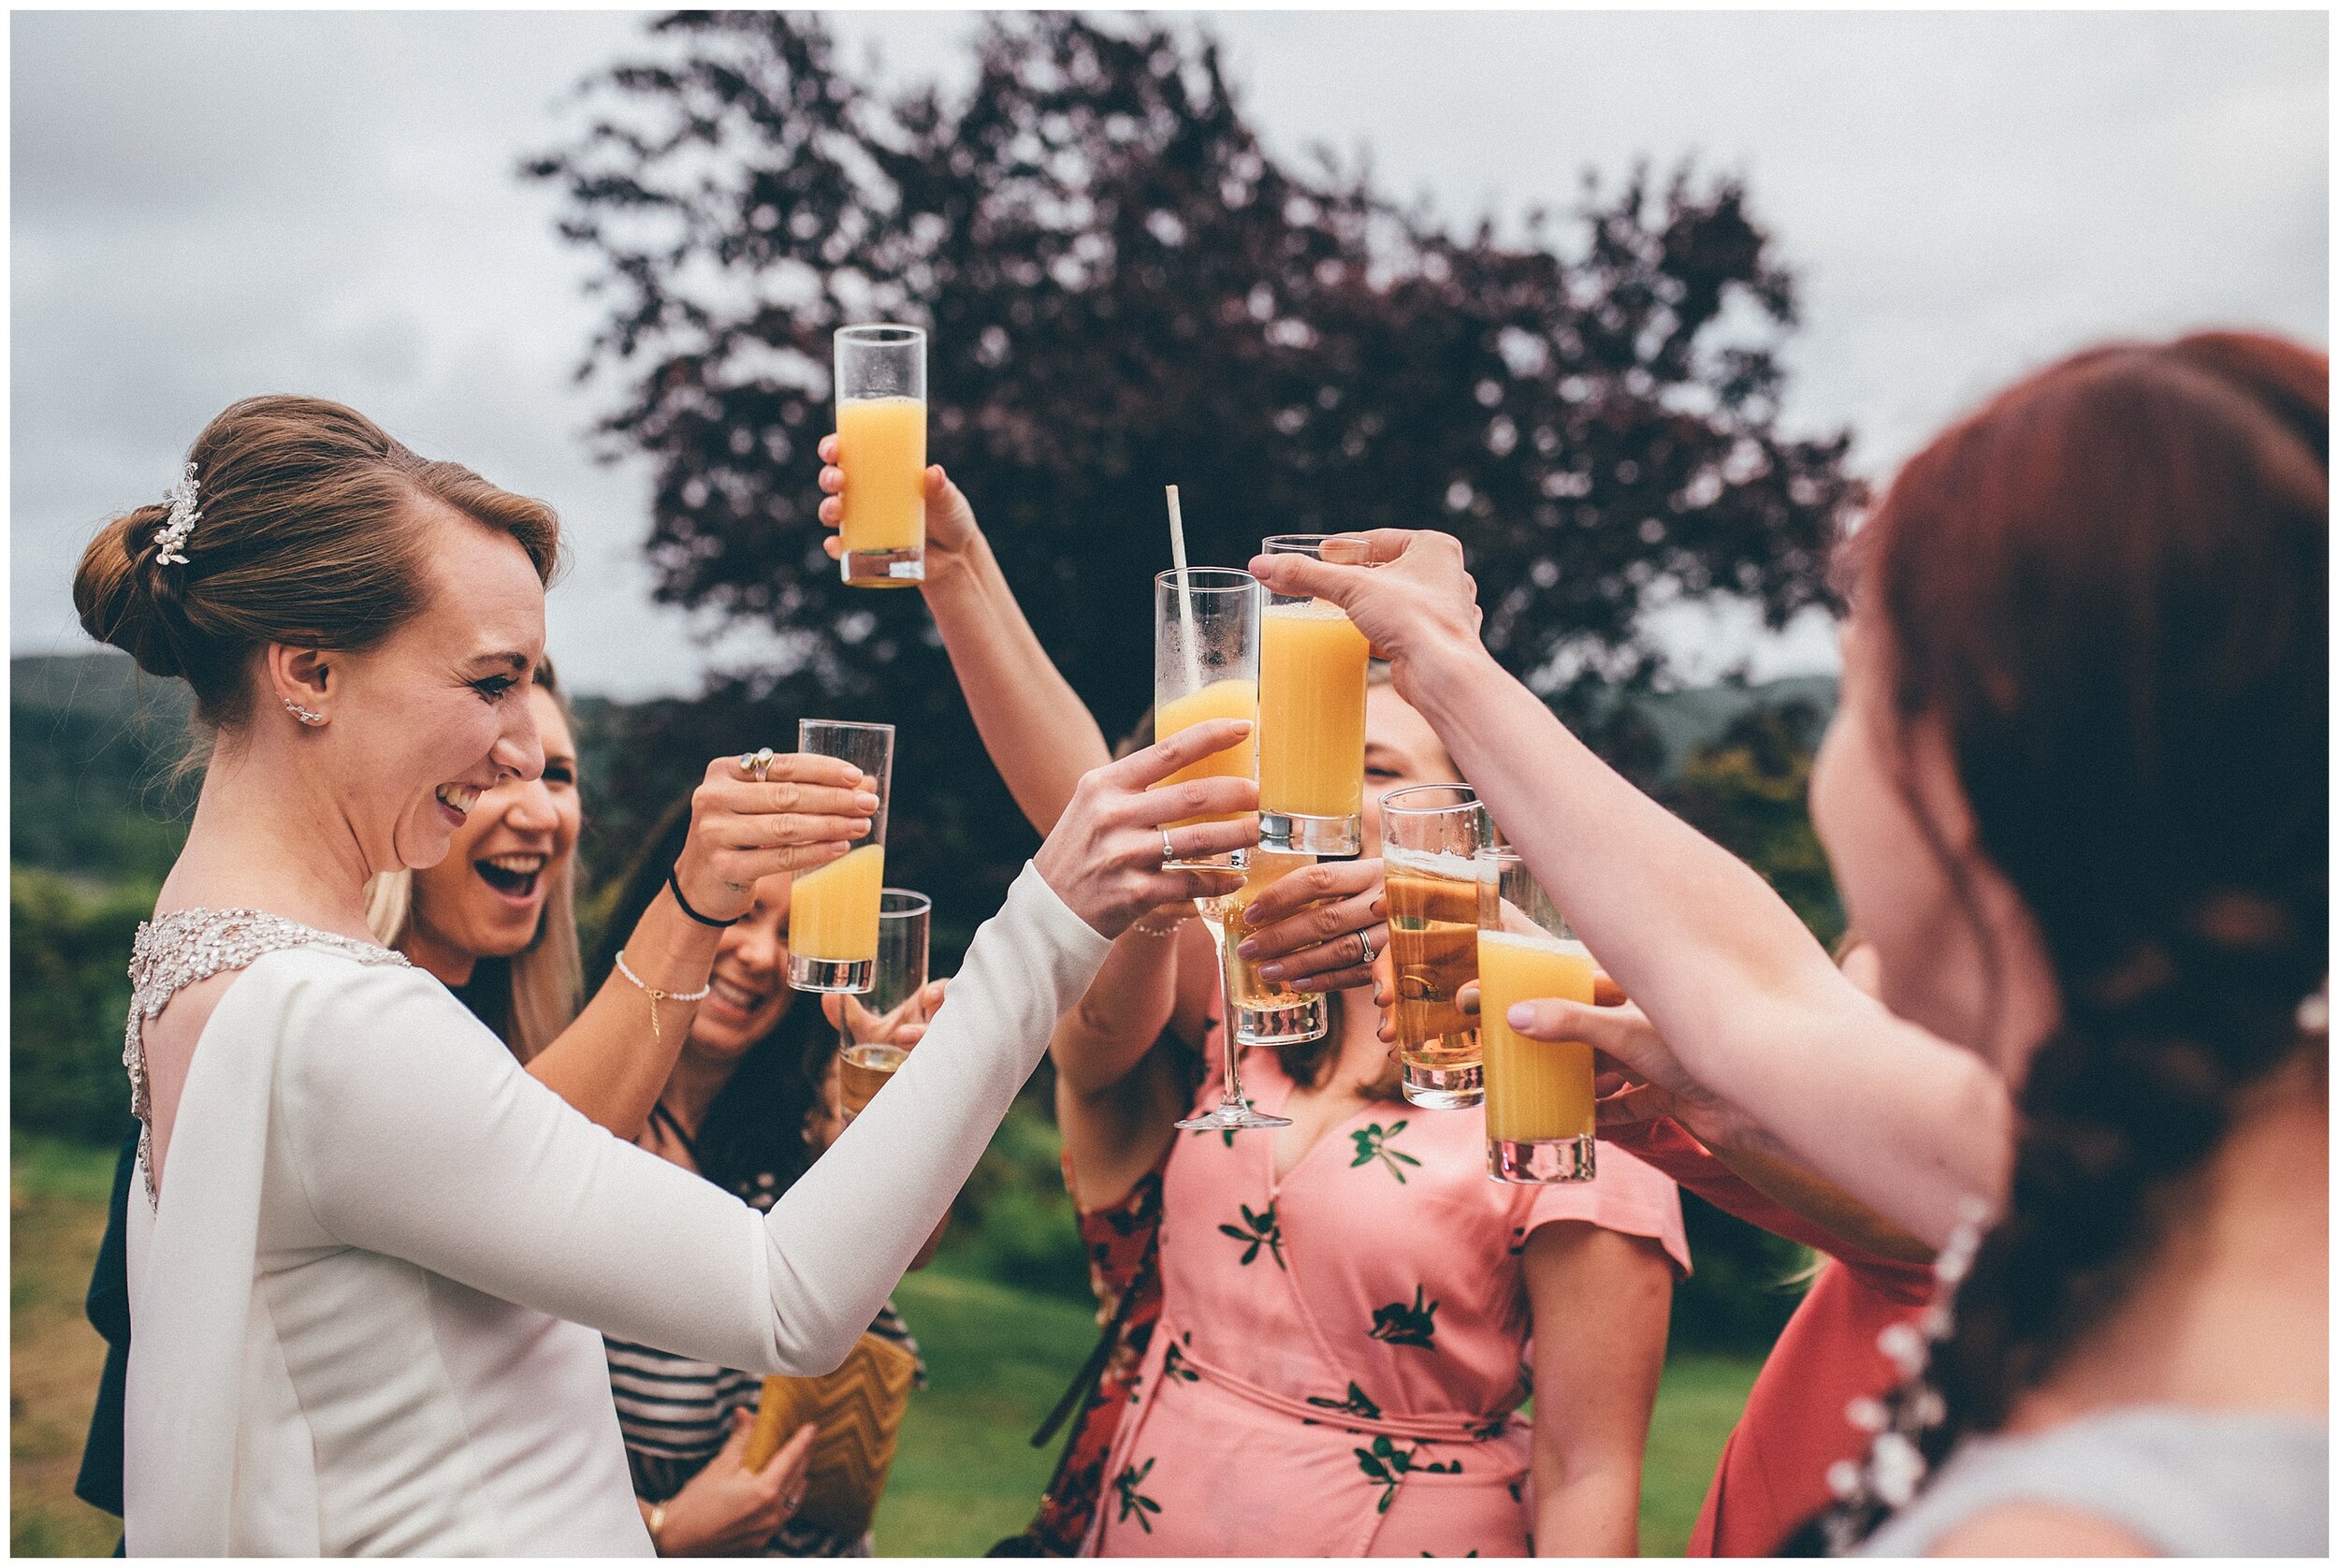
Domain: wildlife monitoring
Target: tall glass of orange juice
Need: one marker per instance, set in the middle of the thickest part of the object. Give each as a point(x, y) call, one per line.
point(1311, 728)
point(833, 911)
point(1538, 1092)
point(881, 446)
point(1206, 666)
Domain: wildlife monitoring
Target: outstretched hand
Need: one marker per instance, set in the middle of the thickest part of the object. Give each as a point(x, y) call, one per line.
point(1314, 929)
point(1106, 856)
point(903, 1025)
point(1635, 1076)
point(1406, 590)
point(950, 527)
point(807, 811)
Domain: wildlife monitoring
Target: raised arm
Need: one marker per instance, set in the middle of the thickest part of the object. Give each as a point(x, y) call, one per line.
point(415, 1134)
point(1747, 1001)
point(1040, 735)
point(609, 1062)
point(1116, 1090)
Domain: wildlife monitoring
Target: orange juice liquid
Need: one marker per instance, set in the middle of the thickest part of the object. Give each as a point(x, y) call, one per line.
point(1535, 1089)
point(1244, 988)
point(882, 444)
point(833, 913)
point(1220, 699)
point(1311, 733)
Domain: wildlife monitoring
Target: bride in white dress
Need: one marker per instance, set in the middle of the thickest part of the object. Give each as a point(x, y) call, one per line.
point(371, 1259)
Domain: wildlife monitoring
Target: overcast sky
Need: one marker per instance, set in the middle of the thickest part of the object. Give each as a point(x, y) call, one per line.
point(207, 206)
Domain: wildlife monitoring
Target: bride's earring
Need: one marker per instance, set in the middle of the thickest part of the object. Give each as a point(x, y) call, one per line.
point(310, 717)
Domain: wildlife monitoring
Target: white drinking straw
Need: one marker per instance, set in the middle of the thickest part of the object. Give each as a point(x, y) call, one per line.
point(1185, 592)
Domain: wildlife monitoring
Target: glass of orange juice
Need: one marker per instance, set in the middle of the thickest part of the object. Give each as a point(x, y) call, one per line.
point(1311, 729)
point(870, 1053)
point(833, 911)
point(1538, 1092)
point(881, 446)
point(1206, 666)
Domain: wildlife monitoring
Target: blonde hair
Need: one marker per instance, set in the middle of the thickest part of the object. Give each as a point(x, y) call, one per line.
point(545, 980)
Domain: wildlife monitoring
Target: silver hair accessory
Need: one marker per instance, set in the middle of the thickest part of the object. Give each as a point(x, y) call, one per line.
point(172, 535)
point(310, 717)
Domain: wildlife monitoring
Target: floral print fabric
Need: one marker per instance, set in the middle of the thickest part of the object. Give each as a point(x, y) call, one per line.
point(1340, 1351)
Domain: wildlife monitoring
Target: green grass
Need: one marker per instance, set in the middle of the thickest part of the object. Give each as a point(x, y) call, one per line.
point(966, 1474)
point(57, 1196)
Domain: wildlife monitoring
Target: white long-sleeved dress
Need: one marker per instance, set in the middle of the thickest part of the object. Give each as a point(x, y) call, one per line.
point(367, 1309)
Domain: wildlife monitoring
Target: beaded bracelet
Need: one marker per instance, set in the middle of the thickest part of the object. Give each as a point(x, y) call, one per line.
point(656, 997)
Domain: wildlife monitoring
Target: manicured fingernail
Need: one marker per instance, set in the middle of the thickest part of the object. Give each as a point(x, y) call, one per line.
point(1270, 971)
point(865, 802)
point(1522, 1014)
point(859, 828)
point(1248, 948)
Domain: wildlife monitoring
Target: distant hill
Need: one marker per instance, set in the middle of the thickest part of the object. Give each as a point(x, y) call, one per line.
point(92, 742)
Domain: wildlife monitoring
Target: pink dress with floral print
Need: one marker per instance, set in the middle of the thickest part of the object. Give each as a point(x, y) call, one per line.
point(1341, 1352)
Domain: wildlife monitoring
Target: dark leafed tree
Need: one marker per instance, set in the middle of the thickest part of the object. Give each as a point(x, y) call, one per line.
point(1125, 289)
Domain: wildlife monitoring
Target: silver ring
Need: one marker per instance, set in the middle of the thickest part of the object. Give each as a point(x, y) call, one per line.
point(757, 764)
point(1364, 940)
point(1168, 851)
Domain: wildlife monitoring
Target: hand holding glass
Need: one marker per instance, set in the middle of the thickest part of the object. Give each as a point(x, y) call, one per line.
point(1538, 1092)
point(1206, 627)
point(833, 912)
point(872, 1048)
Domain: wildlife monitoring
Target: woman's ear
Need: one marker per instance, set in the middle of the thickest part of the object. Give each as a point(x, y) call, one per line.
point(302, 680)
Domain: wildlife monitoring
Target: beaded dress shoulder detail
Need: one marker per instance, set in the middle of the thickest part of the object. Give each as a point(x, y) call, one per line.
point(179, 949)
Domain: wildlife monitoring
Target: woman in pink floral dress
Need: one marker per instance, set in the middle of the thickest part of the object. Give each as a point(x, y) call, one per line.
point(1351, 1312)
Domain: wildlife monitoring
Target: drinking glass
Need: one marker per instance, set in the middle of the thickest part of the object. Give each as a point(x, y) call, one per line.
point(1206, 666)
point(833, 913)
point(1430, 836)
point(1538, 1092)
point(1311, 731)
point(868, 1055)
point(1234, 1113)
point(881, 446)
point(1260, 1011)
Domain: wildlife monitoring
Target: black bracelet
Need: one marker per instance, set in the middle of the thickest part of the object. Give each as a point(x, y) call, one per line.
point(674, 887)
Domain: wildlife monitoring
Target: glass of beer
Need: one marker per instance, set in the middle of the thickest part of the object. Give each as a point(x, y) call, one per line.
point(881, 446)
point(1539, 1112)
point(1206, 666)
point(1430, 836)
point(1311, 731)
point(1260, 1011)
point(868, 1054)
point(833, 912)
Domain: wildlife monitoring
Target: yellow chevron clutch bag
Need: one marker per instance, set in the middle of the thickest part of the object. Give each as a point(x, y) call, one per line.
point(856, 1413)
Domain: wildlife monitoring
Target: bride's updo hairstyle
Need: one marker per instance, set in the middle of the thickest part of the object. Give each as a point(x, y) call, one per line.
point(308, 534)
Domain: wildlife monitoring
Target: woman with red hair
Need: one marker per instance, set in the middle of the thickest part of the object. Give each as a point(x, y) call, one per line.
point(2076, 796)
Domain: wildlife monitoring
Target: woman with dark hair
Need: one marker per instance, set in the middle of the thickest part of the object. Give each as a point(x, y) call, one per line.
point(748, 1108)
point(2076, 796)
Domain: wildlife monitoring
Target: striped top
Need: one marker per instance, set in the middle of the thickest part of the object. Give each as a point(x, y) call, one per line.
point(676, 1412)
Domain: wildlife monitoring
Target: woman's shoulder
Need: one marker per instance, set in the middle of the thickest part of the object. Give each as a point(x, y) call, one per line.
point(2182, 1482)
